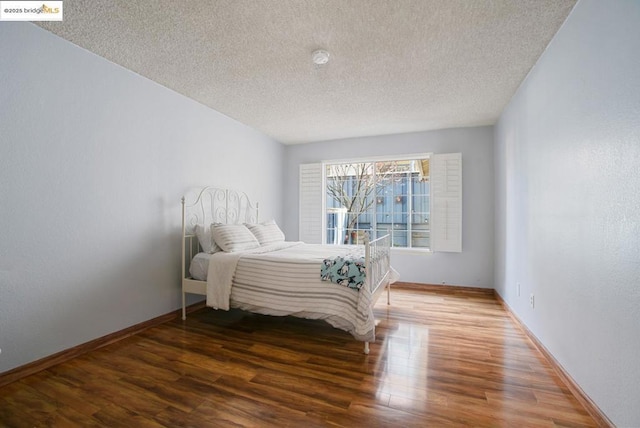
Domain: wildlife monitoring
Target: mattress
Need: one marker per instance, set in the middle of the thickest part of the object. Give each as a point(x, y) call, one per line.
point(200, 266)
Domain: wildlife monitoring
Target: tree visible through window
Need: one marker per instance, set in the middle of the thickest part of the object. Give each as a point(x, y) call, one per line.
point(390, 196)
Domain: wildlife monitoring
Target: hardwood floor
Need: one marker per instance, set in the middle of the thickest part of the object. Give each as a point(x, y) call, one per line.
point(442, 358)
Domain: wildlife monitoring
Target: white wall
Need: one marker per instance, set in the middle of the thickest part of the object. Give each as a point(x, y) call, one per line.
point(93, 162)
point(568, 203)
point(472, 267)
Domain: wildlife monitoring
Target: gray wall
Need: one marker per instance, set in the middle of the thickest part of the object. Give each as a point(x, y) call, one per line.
point(568, 204)
point(472, 267)
point(93, 162)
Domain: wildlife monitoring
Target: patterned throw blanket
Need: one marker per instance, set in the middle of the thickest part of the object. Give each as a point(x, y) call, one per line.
point(349, 272)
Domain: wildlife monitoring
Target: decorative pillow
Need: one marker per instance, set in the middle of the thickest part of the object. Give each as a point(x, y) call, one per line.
point(205, 238)
point(267, 232)
point(233, 237)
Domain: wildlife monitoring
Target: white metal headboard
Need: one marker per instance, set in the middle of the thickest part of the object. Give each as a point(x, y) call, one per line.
point(206, 206)
point(215, 205)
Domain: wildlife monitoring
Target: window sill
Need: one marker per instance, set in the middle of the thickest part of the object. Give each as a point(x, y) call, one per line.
point(417, 251)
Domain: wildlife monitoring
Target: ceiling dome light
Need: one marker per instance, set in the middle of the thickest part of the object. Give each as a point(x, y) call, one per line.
point(320, 57)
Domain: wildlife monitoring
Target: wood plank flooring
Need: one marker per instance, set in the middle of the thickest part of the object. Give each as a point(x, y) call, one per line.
point(442, 358)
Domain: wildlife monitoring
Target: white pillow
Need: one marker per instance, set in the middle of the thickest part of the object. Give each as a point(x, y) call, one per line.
point(205, 238)
point(233, 237)
point(267, 232)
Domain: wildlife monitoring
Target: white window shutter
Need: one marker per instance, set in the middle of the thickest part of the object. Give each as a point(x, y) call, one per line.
point(446, 202)
point(311, 203)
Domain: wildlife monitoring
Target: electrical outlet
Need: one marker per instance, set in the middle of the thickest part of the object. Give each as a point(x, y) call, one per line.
point(518, 289)
point(531, 301)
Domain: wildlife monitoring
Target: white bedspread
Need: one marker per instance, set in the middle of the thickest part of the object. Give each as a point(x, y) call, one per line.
point(284, 279)
point(222, 267)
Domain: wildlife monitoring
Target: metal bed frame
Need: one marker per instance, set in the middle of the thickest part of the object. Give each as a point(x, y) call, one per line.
point(216, 205)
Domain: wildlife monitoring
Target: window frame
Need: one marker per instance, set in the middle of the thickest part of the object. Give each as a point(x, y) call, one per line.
point(446, 200)
point(374, 160)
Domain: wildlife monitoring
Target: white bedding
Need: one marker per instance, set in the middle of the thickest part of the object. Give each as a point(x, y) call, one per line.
point(200, 266)
point(284, 279)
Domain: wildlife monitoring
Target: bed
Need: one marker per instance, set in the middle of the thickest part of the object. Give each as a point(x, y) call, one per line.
point(238, 262)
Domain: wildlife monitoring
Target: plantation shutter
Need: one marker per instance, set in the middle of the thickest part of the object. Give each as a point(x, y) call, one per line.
point(311, 197)
point(446, 202)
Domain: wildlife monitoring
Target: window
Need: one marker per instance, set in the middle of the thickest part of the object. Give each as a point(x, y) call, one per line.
point(417, 199)
point(390, 196)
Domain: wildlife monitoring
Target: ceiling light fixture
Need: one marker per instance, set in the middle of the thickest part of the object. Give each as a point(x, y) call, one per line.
point(320, 57)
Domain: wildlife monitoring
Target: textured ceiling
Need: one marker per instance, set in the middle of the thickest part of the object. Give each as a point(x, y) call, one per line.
point(395, 66)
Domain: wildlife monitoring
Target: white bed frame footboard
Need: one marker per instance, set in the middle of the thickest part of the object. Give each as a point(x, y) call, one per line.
point(215, 205)
point(378, 270)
